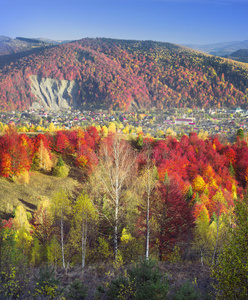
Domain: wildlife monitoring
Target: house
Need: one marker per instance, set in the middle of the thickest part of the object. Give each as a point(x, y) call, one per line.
point(236, 110)
point(183, 121)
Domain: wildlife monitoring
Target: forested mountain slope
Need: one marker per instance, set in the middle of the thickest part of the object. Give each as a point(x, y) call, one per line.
point(240, 55)
point(121, 74)
point(19, 44)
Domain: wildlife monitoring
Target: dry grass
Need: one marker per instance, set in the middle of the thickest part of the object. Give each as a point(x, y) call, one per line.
point(13, 194)
point(101, 274)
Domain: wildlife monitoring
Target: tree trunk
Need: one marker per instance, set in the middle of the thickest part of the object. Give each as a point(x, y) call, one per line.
point(116, 229)
point(62, 240)
point(201, 258)
point(216, 243)
point(147, 225)
point(117, 161)
point(84, 240)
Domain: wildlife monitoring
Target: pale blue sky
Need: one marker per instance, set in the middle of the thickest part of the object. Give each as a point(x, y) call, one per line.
point(176, 21)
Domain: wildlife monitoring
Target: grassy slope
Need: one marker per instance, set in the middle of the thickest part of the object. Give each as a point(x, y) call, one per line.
point(13, 194)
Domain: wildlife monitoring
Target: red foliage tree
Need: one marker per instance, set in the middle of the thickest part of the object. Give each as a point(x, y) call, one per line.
point(62, 144)
point(14, 156)
point(172, 215)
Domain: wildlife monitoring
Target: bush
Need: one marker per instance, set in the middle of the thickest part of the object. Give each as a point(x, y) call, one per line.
point(77, 290)
point(13, 266)
point(61, 172)
point(120, 288)
point(47, 284)
point(60, 162)
point(186, 292)
point(142, 281)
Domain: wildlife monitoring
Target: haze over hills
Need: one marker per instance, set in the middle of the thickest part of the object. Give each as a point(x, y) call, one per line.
point(240, 55)
point(220, 49)
point(119, 74)
point(19, 44)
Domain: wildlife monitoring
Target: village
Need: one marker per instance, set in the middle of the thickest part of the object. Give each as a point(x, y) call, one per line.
point(174, 122)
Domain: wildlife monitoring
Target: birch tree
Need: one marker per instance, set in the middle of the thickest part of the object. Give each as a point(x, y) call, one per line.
point(84, 213)
point(219, 202)
point(60, 206)
point(116, 165)
point(148, 176)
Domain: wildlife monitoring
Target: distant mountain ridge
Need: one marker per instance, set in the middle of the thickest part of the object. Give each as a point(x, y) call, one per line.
point(220, 49)
point(19, 44)
point(240, 55)
point(120, 74)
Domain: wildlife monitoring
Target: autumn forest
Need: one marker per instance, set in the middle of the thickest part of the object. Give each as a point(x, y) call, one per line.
point(126, 75)
point(95, 213)
point(172, 200)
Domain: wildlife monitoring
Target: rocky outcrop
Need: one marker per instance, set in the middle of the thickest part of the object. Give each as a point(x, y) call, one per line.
point(54, 94)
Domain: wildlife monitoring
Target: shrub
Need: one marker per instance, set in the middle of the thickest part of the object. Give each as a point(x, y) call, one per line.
point(61, 172)
point(47, 284)
point(77, 290)
point(186, 292)
point(60, 162)
point(120, 288)
point(13, 266)
point(142, 281)
point(9, 285)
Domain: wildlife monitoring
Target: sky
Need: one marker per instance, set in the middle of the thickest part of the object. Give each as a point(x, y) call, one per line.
point(174, 21)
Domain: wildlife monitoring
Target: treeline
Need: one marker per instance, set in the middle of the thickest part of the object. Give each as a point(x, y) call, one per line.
point(169, 199)
point(116, 74)
point(20, 153)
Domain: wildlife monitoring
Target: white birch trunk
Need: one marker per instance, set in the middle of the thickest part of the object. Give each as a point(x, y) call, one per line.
point(62, 240)
point(116, 232)
point(115, 170)
point(148, 215)
point(201, 258)
point(84, 241)
point(216, 242)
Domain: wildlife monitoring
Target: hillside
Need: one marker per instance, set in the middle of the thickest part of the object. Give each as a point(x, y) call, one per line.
point(240, 55)
point(120, 74)
point(186, 189)
point(40, 185)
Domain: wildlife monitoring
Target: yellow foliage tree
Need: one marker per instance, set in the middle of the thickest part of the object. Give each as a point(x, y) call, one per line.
point(60, 206)
point(112, 127)
point(42, 158)
point(170, 132)
point(201, 234)
point(22, 229)
point(105, 130)
point(52, 127)
point(126, 130)
point(84, 214)
point(203, 135)
point(198, 184)
point(219, 202)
